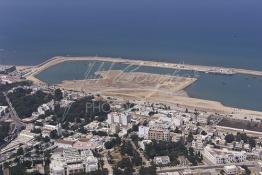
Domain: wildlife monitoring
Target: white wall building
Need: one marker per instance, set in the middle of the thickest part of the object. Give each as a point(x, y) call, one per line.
point(3, 110)
point(230, 170)
point(143, 131)
point(161, 160)
point(221, 156)
point(122, 119)
point(70, 162)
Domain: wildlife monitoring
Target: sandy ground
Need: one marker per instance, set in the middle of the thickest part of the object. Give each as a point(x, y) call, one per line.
point(132, 84)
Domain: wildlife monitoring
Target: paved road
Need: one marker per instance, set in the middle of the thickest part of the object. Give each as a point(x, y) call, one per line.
point(144, 160)
point(107, 165)
point(14, 116)
point(173, 169)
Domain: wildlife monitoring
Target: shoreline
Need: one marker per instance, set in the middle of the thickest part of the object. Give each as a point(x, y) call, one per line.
point(190, 102)
point(199, 68)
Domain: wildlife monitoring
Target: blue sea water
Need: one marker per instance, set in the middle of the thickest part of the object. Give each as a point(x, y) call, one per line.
point(209, 32)
point(219, 32)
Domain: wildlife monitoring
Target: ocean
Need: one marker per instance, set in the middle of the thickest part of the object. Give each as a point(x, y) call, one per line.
point(219, 33)
point(222, 33)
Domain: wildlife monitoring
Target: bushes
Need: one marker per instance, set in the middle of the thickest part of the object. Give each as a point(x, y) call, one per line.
point(4, 129)
point(25, 103)
point(88, 109)
point(112, 143)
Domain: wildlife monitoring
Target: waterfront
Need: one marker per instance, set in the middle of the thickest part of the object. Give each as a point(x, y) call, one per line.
point(238, 90)
point(222, 33)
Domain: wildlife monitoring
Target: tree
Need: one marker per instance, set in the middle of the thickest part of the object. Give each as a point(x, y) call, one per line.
point(203, 133)
point(229, 138)
point(58, 95)
point(151, 170)
point(4, 128)
point(126, 148)
point(190, 137)
point(126, 164)
point(53, 134)
point(136, 159)
point(248, 172)
point(252, 143)
point(20, 151)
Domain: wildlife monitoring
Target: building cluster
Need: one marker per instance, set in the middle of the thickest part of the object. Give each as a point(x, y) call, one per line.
point(72, 161)
point(72, 145)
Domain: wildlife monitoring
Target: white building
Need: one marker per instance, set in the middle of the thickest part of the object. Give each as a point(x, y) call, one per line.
point(70, 162)
point(202, 119)
point(230, 170)
point(143, 131)
point(161, 160)
point(114, 128)
point(222, 156)
point(46, 107)
point(197, 143)
point(64, 144)
point(3, 110)
point(122, 119)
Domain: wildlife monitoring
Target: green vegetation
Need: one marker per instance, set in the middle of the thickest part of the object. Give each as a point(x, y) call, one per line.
point(7, 87)
point(20, 151)
point(190, 137)
point(173, 150)
point(147, 170)
point(123, 167)
point(248, 172)
point(20, 169)
point(130, 159)
point(4, 128)
point(2, 100)
point(127, 149)
point(229, 138)
point(58, 95)
point(84, 108)
point(112, 143)
point(128, 105)
point(26, 103)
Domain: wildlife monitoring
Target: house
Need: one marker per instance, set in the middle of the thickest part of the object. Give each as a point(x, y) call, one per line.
point(71, 161)
point(122, 119)
point(222, 156)
point(64, 144)
point(3, 110)
point(143, 131)
point(161, 160)
point(230, 169)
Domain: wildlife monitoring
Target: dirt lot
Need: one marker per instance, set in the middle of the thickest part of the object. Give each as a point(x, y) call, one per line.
point(142, 85)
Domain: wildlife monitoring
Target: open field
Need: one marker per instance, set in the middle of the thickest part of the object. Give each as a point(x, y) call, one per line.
point(137, 84)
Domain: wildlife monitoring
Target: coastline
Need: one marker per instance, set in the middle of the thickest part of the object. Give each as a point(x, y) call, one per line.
point(199, 68)
point(176, 99)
